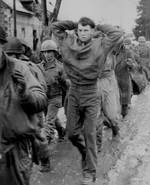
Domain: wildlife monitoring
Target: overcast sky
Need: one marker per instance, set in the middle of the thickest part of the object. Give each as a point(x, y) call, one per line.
point(116, 12)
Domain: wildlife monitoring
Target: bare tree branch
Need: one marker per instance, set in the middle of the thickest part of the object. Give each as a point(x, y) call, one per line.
point(54, 15)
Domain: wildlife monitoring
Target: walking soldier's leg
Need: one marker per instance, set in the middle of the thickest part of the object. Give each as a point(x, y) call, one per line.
point(90, 123)
point(74, 125)
point(51, 117)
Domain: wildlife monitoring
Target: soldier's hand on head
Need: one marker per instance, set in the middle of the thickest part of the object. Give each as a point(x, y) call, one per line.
point(68, 82)
point(20, 82)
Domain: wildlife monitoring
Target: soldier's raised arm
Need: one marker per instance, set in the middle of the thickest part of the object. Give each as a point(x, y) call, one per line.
point(59, 28)
point(113, 36)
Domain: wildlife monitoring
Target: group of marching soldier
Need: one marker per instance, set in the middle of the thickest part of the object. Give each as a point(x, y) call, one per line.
point(91, 70)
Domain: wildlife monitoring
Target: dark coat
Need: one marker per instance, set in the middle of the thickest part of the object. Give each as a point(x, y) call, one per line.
point(18, 125)
point(55, 78)
point(139, 75)
point(144, 54)
point(37, 73)
point(34, 68)
point(17, 110)
point(122, 71)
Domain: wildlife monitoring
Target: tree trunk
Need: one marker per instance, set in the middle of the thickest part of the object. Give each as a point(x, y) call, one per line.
point(46, 31)
point(45, 18)
point(54, 15)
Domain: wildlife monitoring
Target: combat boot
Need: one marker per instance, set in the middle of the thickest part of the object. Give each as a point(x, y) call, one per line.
point(45, 165)
point(61, 131)
point(88, 179)
point(124, 110)
point(99, 142)
point(115, 130)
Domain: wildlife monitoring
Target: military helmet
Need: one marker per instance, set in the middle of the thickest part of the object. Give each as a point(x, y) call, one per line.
point(127, 41)
point(13, 46)
point(3, 35)
point(24, 43)
point(141, 39)
point(49, 45)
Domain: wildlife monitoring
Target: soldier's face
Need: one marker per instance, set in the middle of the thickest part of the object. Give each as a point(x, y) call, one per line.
point(127, 46)
point(142, 42)
point(49, 56)
point(84, 32)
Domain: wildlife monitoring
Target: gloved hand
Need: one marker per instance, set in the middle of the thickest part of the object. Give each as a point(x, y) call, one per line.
point(20, 82)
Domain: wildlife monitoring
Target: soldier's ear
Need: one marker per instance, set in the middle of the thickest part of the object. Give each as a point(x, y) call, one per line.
point(92, 31)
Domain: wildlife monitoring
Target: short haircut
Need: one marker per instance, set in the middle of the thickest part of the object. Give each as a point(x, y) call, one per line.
point(84, 21)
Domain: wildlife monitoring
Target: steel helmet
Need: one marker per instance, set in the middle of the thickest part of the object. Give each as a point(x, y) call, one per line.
point(49, 45)
point(141, 39)
point(127, 41)
point(13, 46)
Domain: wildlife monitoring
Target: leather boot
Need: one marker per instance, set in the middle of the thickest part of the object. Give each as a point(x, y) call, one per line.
point(45, 165)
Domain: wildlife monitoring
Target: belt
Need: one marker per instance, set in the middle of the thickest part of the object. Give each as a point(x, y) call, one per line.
point(88, 86)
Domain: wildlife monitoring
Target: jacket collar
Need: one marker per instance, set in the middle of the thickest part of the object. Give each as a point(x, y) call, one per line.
point(83, 43)
point(48, 65)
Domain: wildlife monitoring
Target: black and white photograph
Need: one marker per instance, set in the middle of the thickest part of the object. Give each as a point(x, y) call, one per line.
point(74, 92)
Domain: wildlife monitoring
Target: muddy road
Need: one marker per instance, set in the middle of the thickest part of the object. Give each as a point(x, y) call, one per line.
point(123, 162)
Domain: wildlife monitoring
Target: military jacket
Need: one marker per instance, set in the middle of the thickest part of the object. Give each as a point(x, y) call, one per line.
point(84, 62)
point(55, 78)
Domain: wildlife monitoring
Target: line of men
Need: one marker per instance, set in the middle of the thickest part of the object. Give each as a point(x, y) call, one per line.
point(96, 76)
point(22, 100)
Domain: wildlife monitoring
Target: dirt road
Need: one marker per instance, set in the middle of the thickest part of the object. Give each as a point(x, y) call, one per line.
point(120, 163)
